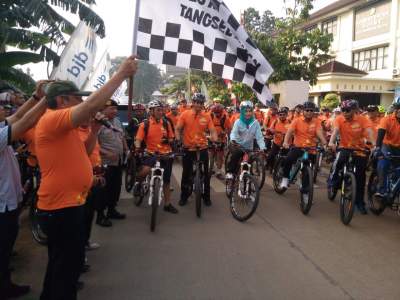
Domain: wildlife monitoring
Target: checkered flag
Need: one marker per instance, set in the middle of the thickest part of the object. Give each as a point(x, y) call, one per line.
point(201, 35)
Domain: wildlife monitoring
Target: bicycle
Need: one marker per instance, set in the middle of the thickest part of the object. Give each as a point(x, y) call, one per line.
point(130, 172)
point(376, 204)
point(198, 182)
point(303, 165)
point(347, 184)
point(243, 191)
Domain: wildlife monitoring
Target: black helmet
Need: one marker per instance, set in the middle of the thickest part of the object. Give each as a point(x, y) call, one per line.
point(372, 108)
point(309, 105)
point(283, 110)
point(199, 97)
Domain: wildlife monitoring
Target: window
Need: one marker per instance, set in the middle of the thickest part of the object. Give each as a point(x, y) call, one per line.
point(330, 27)
point(311, 28)
point(371, 59)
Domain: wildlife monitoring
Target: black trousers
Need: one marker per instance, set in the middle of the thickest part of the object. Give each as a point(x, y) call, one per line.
point(90, 207)
point(187, 174)
point(272, 154)
point(232, 166)
point(66, 252)
point(8, 234)
point(361, 168)
point(293, 155)
point(111, 192)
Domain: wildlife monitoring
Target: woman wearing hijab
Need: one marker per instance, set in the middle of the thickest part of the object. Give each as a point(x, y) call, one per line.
point(245, 130)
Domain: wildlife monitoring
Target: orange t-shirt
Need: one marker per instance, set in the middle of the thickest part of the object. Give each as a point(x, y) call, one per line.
point(352, 133)
point(173, 118)
point(233, 118)
point(94, 157)
point(221, 125)
point(269, 120)
point(305, 133)
point(392, 127)
point(259, 115)
point(29, 139)
point(280, 129)
point(155, 136)
point(182, 108)
point(65, 166)
point(194, 128)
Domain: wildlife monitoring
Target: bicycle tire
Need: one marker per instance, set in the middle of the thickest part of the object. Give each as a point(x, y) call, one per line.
point(138, 199)
point(317, 166)
point(347, 203)
point(234, 204)
point(130, 174)
point(198, 191)
point(154, 204)
point(226, 159)
point(260, 169)
point(308, 186)
point(211, 159)
point(332, 192)
point(277, 176)
point(376, 207)
point(38, 235)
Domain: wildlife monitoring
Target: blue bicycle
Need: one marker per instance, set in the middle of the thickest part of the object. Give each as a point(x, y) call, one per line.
point(377, 204)
point(304, 167)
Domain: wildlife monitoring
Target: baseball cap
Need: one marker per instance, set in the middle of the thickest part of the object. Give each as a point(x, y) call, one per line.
point(111, 102)
point(63, 87)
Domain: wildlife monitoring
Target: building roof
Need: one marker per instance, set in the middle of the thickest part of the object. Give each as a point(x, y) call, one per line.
point(337, 67)
point(331, 7)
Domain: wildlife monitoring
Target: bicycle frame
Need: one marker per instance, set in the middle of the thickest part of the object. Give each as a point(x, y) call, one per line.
point(299, 165)
point(156, 173)
point(245, 168)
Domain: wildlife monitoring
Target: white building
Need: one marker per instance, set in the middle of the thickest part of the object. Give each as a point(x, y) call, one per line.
point(367, 39)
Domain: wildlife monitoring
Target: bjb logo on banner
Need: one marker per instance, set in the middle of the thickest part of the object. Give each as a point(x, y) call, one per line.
point(79, 60)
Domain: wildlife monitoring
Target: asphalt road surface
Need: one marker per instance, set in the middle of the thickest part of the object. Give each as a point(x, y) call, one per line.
point(278, 254)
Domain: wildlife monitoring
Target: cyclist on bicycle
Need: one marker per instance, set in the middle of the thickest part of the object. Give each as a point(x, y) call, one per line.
point(157, 139)
point(388, 141)
point(374, 117)
point(305, 130)
point(352, 129)
point(173, 115)
point(221, 124)
point(191, 130)
point(245, 130)
point(278, 129)
point(138, 115)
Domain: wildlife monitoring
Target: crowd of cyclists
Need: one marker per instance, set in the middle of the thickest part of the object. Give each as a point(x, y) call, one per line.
point(221, 140)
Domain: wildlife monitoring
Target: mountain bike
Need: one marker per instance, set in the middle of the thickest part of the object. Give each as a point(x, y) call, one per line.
point(347, 184)
point(392, 200)
point(198, 182)
point(304, 167)
point(243, 190)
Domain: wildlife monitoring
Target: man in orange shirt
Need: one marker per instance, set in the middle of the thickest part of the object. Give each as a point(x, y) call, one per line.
point(221, 124)
point(352, 129)
point(258, 114)
point(305, 130)
point(158, 140)
point(173, 115)
point(67, 177)
point(183, 105)
point(278, 129)
point(388, 141)
point(271, 117)
point(191, 131)
point(374, 118)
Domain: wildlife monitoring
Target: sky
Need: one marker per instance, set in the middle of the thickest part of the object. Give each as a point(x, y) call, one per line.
point(119, 24)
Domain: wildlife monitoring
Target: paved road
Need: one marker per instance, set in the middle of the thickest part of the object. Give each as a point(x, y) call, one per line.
point(278, 254)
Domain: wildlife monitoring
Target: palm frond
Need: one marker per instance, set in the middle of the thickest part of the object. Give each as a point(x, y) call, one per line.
point(18, 78)
point(22, 38)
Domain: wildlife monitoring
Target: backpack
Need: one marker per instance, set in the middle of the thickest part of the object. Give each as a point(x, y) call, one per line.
point(165, 122)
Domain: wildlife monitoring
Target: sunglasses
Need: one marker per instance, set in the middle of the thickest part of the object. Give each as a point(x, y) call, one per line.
point(283, 114)
point(346, 110)
point(309, 110)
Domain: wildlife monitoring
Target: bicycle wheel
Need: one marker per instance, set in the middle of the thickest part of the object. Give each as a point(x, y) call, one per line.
point(306, 190)
point(198, 190)
point(376, 204)
point(258, 170)
point(130, 174)
point(277, 175)
point(332, 190)
point(317, 166)
point(211, 159)
point(141, 191)
point(348, 198)
point(154, 204)
point(245, 197)
point(37, 232)
point(226, 159)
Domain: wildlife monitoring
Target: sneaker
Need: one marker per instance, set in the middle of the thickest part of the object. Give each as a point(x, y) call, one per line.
point(114, 214)
point(92, 246)
point(182, 202)
point(284, 183)
point(229, 176)
point(171, 209)
point(13, 290)
point(207, 202)
point(380, 195)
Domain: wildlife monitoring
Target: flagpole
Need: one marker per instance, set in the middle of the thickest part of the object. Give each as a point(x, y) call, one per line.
point(189, 86)
point(134, 50)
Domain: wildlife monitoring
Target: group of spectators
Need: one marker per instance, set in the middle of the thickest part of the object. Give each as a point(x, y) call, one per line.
point(73, 143)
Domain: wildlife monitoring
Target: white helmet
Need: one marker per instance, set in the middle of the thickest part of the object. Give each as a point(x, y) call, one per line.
point(246, 103)
point(154, 104)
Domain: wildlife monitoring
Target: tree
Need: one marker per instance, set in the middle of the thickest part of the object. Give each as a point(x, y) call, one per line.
point(34, 25)
point(293, 53)
point(330, 101)
point(147, 79)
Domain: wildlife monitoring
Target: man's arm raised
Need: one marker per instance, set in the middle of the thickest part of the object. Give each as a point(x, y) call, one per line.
point(98, 99)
